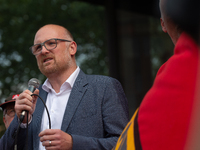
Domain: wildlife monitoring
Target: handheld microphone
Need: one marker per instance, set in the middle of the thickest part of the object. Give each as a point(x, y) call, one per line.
point(32, 85)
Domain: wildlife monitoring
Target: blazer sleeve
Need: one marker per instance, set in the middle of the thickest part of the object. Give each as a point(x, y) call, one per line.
point(115, 117)
point(7, 141)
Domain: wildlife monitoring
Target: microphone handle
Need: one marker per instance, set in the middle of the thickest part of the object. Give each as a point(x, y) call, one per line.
point(32, 89)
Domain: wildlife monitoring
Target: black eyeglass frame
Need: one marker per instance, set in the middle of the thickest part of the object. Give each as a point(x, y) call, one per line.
point(43, 44)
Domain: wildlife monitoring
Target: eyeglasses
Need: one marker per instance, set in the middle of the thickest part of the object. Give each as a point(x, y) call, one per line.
point(10, 112)
point(48, 44)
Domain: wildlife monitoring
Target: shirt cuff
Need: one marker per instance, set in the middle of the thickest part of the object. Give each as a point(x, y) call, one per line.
point(24, 125)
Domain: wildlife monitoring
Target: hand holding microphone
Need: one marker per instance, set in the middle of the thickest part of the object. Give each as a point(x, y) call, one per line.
point(26, 102)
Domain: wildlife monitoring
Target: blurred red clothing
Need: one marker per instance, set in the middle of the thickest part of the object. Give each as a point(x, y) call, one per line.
point(163, 120)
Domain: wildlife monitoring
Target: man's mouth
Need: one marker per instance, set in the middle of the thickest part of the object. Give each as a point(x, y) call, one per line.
point(47, 59)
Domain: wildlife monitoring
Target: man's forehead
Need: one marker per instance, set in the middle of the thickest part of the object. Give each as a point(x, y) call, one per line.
point(48, 32)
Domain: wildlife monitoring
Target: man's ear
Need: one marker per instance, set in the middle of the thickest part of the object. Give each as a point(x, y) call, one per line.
point(163, 25)
point(73, 48)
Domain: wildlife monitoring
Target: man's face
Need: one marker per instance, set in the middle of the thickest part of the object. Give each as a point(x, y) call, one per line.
point(9, 114)
point(57, 60)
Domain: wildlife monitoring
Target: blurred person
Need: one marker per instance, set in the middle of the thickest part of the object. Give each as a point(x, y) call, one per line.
point(87, 111)
point(168, 117)
point(8, 109)
point(8, 116)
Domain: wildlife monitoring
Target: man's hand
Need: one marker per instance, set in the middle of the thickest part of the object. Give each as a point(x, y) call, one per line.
point(56, 139)
point(26, 102)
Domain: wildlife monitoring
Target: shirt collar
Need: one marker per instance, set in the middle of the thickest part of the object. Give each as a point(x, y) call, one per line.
point(70, 81)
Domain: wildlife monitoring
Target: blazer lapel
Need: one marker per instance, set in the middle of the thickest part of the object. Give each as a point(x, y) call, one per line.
point(76, 95)
point(37, 117)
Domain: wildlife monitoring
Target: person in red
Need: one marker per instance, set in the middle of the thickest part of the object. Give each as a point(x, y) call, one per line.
point(168, 117)
point(8, 109)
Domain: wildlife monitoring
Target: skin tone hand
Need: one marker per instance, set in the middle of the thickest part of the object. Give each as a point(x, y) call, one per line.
point(59, 139)
point(26, 102)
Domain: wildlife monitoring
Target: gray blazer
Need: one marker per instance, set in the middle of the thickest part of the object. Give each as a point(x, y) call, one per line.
point(95, 116)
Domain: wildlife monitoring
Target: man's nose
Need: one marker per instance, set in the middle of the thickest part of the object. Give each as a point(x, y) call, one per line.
point(44, 49)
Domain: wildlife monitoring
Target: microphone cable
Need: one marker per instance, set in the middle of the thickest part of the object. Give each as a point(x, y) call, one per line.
point(45, 108)
point(15, 146)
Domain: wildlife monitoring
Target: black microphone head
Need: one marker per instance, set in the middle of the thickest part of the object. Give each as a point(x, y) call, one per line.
point(34, 82)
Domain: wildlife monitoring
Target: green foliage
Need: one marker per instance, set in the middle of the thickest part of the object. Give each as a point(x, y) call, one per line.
point(2, 127)
point(21, 19)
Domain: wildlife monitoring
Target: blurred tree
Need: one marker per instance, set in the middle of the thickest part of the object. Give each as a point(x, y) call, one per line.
point(21, 19)
point(2, 127)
